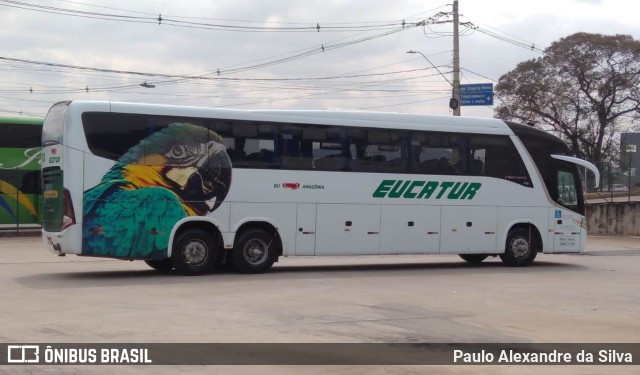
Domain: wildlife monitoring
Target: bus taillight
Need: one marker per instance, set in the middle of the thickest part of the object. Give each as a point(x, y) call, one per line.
point(69, 216)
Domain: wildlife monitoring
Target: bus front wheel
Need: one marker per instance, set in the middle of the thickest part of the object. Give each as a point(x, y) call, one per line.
point(194, 253)
point(473, 258)
point(520, 248)
point(255, 251)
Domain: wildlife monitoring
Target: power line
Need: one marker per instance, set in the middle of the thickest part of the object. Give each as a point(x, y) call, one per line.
point(512, 36)
point(217, 73)
point(167, 20)
point(480, 75)
point(406, 103)
point(517, 43)
point(415, 16)
point(22, 113)
point(318, 94)
point(362, 87)
point(199, 77)
point(221, 76)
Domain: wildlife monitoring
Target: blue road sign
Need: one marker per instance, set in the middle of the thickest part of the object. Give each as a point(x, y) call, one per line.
point(476, 87)
point(479, 98)
point(476, 94)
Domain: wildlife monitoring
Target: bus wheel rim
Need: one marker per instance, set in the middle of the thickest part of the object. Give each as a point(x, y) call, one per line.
point(520, 247)
point(194, 252)
point(255, 251)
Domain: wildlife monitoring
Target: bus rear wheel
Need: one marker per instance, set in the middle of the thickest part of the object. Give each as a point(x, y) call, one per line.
point(162, 265)
point(473, 258)
point(520, 250)
point(255, 251)
point(194, 253)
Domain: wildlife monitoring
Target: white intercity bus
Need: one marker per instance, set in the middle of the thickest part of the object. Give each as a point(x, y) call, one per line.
point(190, 188)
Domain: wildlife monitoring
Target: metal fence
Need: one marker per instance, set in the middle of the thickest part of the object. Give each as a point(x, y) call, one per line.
point(616, 185)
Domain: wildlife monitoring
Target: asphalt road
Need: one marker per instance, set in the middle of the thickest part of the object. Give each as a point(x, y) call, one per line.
point(561, 298)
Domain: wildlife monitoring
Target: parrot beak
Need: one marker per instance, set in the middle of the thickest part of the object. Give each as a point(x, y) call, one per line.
point(206, 186)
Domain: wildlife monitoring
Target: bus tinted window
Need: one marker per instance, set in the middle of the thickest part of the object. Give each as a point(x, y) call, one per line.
point(496, 156)
point(270, 145)
point(110, 135)
point(567, 192)
point(383, 151)
point(438, 153)
point(249, 144)
point(54, 123)
point(20, 135)
point(330, 148)
point(25, 181)
point(296, 149)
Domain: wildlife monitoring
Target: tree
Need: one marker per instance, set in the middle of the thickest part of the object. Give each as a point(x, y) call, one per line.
point(585, 88)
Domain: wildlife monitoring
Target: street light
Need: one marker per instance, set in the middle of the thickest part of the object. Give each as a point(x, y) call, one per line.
point(454, 102)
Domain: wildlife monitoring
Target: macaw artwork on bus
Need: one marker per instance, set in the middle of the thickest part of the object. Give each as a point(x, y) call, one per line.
point(182, 170)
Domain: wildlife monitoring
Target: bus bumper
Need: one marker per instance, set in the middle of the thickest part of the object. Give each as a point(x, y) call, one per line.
point(58, 243)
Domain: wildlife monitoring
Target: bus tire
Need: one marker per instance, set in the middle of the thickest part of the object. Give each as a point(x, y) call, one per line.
point(254, 251)
point(162, 265)
point(194, 253)
point(520, 249)
point(474, 258)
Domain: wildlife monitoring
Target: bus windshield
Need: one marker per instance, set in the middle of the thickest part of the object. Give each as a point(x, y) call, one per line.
point(52, 131)
point(561, 176)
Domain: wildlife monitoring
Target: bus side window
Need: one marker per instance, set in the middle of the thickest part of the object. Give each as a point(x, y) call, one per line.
point(223, 129)
point(296, 152)
point(379, 151)
point(20, 136)
point(477, 166)
point(331, 151)
point(496, 156)
point(438, 153)
point(254, 145)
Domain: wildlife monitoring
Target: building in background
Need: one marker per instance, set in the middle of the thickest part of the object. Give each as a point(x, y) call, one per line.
point(630, 158)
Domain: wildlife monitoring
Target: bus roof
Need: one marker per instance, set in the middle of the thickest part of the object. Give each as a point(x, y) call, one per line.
point(328, 117)
point(404, 118)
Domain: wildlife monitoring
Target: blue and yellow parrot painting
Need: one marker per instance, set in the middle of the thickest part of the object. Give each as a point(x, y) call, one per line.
point(181, 170)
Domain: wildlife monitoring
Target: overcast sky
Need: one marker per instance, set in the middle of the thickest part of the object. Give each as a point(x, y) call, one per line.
point(359, 69)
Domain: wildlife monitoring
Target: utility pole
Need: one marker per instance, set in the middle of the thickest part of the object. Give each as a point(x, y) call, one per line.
point(456, 62)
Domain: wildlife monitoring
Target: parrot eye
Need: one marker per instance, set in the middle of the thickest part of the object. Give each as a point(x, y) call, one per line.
point(177, 151)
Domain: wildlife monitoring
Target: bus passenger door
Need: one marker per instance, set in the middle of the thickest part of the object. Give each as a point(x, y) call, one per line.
point(306, 229)
point(567, 229)
point(410, 229)
point(567, 223)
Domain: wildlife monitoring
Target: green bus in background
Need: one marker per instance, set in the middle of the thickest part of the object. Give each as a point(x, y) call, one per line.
point(20, 191)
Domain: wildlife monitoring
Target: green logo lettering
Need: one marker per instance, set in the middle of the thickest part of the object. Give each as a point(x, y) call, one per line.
point(425, 189)
point(409, 193)
point(428, 189)
point(397, 190)
point(443, 187)
point(383, 189)
point(471, 190)
point(456, 190)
